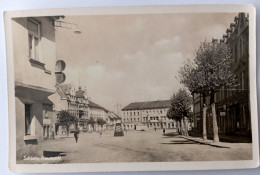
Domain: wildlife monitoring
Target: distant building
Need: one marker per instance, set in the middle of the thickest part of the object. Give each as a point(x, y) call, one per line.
point(77, 103)
point(49, 118)
point(151, 114)
point(111, 121)
point(232, 103)
point(66, 97)
point(34, 55)
point(96, 111)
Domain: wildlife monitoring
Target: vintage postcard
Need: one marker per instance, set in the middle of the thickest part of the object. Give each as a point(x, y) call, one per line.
point(144, 88)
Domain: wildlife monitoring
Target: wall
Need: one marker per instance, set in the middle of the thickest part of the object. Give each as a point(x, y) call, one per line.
point(26, 72)
point(32, 83)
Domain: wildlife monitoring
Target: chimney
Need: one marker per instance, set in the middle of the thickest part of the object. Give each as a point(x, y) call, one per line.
point(232, 27)
point(236, 20)
point(225, 37)
point(228, 31)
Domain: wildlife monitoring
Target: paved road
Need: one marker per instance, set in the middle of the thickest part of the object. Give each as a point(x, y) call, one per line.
point(142, 146)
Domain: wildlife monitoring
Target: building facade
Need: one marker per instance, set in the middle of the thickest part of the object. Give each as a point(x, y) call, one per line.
point(111, 121)
point(151, 114)
point(77, 103)
point(232, 103)
point(97, 112)
point(74, 101)
point(34, 55)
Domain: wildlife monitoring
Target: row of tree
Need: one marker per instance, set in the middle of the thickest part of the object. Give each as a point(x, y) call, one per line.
point(209, 71)
point(180, 110)
point(65, 118)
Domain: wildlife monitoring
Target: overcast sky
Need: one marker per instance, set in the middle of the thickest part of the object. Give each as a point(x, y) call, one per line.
point(133, 58)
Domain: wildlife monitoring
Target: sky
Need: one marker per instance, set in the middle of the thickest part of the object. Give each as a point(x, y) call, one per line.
point(133, 58)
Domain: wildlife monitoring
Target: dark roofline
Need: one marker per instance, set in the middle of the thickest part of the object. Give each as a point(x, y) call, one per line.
point(94, 105)
point(147, 105)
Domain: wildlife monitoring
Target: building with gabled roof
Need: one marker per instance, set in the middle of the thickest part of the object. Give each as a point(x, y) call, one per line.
point(78, 104)
point(111, 120)
point(150, 113)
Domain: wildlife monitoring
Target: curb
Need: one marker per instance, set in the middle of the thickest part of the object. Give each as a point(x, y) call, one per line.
point(206, 142)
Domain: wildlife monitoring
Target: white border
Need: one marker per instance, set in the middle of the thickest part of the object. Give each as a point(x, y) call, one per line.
point(158, 166)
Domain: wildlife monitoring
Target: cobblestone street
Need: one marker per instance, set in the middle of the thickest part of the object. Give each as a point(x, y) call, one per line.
point(142, 146)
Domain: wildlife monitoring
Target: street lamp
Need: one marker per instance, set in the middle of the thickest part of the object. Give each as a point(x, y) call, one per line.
point(68, 25)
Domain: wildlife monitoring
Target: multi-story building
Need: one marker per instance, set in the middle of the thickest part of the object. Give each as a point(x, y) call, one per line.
point(232, 103)
point(74, 101)
point(151, 114)
point(34, 55)
point(96, 111)
point(77, 103)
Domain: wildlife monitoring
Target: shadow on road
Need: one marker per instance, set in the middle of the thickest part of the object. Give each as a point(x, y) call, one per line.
point(170, 134)
point(179, 142)
point(53, 153)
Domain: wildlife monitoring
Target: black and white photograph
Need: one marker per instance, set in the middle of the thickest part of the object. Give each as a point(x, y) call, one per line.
point(152, 85)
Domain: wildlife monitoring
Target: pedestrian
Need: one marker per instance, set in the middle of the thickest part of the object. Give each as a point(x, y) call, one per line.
point(52, 133)
point(76, 135)
point(100, 133)
point(163, 131)
point(155, 129)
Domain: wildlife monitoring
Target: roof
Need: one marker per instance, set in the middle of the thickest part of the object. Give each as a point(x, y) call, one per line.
point(148, 105)
point(64, 89)
point(112, 115)
point(80, 93)
point(47, 101)
point(94, 105)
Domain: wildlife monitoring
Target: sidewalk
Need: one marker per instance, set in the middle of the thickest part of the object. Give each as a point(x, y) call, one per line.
point(226, 138)
point(208, 142)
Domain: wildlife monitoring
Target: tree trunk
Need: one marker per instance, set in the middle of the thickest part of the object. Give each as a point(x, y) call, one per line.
point(204, 118)
point(215, 125)
point(182, 127)
point(214, 117)
point(185, 127)
point(179, 127)
point(68, 130)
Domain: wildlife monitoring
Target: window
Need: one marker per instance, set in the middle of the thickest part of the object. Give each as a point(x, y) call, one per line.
point(33, 38)
point(28, 119)
point(241, 46)
point(242, 81)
